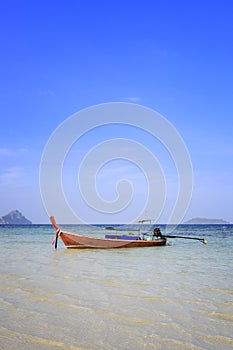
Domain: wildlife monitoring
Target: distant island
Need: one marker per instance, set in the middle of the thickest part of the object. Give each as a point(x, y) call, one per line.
point(206, 221)
point(14, 218)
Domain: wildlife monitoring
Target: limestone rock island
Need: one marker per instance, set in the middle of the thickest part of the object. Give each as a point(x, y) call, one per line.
point(14, 218)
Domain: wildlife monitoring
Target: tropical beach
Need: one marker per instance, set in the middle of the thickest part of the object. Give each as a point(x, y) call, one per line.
point(113, 114)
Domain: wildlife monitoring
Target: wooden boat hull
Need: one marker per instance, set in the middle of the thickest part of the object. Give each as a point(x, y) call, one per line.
point(113, 241)
point(76, 241)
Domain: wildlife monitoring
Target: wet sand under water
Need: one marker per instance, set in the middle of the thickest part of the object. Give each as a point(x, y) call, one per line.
point(175, 297)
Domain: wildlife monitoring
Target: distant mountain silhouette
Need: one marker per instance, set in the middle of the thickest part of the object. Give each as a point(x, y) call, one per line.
point(206, 221)
point(14, 218)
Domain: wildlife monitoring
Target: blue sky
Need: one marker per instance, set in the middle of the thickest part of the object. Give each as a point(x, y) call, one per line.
point(58, 57)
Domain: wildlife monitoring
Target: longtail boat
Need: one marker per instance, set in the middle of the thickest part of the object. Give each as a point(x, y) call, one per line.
point(111, 241)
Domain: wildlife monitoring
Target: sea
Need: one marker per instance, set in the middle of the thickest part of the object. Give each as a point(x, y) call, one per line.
point(176, 297)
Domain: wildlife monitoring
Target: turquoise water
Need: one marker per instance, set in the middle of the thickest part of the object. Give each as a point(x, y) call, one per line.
point(175, 297)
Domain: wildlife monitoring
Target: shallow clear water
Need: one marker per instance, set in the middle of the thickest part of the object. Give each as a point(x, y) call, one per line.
point(175, 297)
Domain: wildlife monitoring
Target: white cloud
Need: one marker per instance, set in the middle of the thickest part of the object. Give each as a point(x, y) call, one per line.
point(7, 152)
point(133, 99)
point(11, 174)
